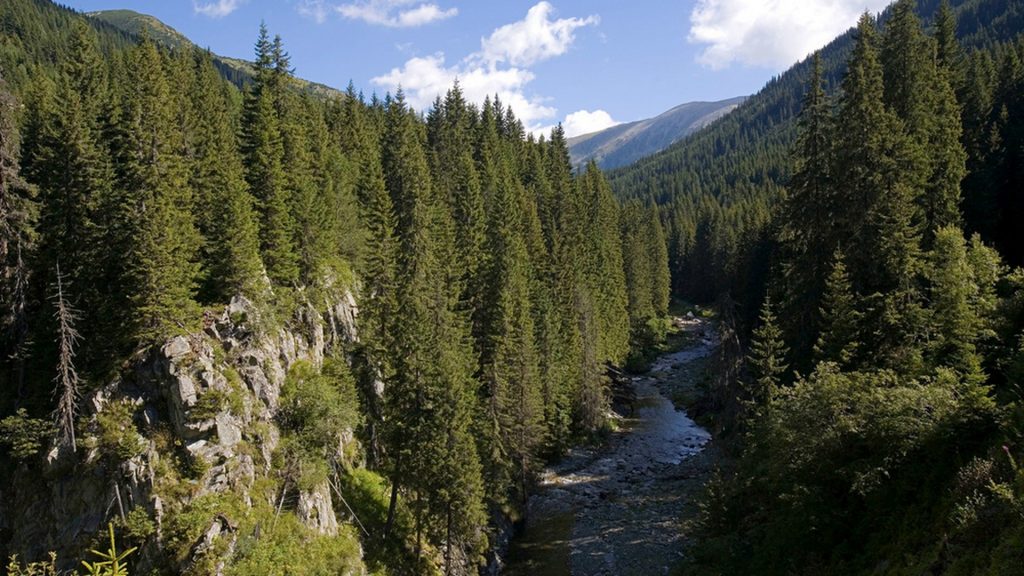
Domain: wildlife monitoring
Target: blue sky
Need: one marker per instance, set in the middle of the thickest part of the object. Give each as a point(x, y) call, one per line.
point(586, 63)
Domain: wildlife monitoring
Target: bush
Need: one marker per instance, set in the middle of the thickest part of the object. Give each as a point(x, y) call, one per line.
point(317, 407)
point(24, 436)
point(117, 439)
point(291, 548)
point(828, 463)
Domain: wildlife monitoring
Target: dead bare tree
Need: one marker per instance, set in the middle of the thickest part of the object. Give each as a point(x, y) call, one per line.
point(66, 390)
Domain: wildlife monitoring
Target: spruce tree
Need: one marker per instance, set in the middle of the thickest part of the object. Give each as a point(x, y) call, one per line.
point(807, 234)
point(767, 359)
point(949, 53)
point(16, 239)
point(920, 93)
point(878, 188)
point(428, 406)
point(225, 213)
point(956, 322)
point(71, 168)
point(263, 153)
point(658, 255)
point(604, 272)
point(839, 339)
point(379, 289)
point(162, 267)
point(509, 371)
point(637, 264)
point(549, 314)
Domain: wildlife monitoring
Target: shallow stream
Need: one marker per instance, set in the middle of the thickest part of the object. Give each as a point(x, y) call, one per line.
point(619, 509)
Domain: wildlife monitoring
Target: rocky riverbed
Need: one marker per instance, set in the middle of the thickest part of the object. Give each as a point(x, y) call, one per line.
point(621, 508)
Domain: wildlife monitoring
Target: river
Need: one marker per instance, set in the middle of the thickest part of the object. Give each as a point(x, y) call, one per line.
point(620, 509)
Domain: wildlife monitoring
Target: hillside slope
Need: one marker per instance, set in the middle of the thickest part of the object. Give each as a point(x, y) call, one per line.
point(626, 143)
point(749, 147)
point(236, 70)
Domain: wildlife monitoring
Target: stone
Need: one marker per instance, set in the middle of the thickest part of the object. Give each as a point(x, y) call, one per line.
point(316, 511)
point(176, 348)
point(229, 432)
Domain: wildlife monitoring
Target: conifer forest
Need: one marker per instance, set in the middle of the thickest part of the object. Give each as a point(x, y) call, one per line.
point(250, 324)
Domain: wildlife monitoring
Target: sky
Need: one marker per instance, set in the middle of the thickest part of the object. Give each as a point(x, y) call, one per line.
point(588, 64)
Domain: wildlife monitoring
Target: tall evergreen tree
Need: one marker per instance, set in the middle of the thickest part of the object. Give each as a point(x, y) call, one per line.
point(162, 267)
point(225, 213)
point(263, 153)
point(767, 357)
point(604, 272)
point(839, 340)
point(956, 322)
point(73, 174)
point(658, 252)
point(16, 240)
point(428, 405)
point(807, 233)
point(514, 402)
point(920, 93)
point(875, 163)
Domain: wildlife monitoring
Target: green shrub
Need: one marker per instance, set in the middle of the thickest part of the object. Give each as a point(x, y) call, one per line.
point(210, 403)
point(117, 437)
point(316, 407)
point(288, 547)
point(137, 525)
point(44, 568)
point(24, 436)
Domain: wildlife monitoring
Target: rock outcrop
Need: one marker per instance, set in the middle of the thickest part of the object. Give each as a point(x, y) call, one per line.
point(208, 399)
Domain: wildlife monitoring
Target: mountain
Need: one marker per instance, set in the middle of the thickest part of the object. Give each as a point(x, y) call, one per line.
point(236, 70)
point(748, 148)
point(626, 143)
point(718, 188)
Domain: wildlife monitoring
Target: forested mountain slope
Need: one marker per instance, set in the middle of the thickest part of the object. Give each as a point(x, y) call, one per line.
point(259, 330)
point(717, 187)
point(874, 402)
point(236, 70)
point(625, 143)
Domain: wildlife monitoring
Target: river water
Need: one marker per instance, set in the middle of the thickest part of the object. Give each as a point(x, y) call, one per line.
point(619, 509)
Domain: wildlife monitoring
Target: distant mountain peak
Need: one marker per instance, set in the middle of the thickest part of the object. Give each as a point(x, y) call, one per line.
point(625, 143)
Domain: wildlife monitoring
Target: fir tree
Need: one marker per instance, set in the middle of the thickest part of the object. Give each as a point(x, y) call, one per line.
point(956, 322)
point(263, 153)
point(378, 303)
point(226, 216)
point(427, 407)
point(767, 357)
point(658, 253)
point(807, 235)
point(840, 318)
point(949, 54)
point(604, 272)
point(509, 370)
point(16, 239)
point(878, 187)
point(162, 267)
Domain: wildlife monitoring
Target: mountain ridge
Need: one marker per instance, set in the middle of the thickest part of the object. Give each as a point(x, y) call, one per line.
point(237, 70)
point(625, 143)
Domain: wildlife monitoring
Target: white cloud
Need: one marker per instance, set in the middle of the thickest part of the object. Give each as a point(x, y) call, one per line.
point(314, 9)
point(424, 78)
point(770, 33)
point(217, 9)
point(499, 68)
point(395, 13)
point(586, 121)
point(533, 38)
